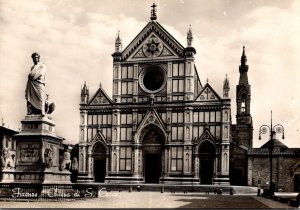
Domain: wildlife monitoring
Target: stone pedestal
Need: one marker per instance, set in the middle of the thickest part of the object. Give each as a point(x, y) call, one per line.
point(7, 175)
point(37, 158)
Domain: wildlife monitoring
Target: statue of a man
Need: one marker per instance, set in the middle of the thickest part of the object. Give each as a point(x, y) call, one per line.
point(35, 90)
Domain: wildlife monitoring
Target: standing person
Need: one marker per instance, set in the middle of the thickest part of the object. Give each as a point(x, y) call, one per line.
point(35, 89)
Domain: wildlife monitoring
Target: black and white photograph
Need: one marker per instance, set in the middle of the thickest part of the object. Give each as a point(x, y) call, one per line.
point(150, 104)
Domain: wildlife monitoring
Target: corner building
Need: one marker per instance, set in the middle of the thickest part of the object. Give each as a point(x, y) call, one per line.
point(161, 124)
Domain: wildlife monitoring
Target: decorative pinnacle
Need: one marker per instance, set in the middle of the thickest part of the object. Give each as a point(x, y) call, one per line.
point(153, 12)
point(189, 37)
point(226, 83)
point(118, 43)
point(85, 90)
point(244, 58)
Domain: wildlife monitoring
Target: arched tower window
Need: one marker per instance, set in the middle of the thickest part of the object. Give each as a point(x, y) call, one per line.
point(243, 106)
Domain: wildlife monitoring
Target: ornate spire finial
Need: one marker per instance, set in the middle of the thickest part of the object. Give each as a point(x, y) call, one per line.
point(153, 12)
point(118, 43)
point(226, 88)
point(85, 90)
point(206, 80)
point(244, 58)
point(226, 83)
point(189, 37)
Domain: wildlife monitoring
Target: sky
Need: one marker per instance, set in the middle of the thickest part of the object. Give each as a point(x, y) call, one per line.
point(75, 39)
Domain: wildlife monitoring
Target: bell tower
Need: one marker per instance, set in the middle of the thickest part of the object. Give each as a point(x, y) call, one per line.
point(243, 93)
point(243, 99)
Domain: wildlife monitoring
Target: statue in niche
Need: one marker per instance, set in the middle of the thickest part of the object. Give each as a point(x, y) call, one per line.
point(38, 102)
point(152, 100)
point(48, 155)
point(66, 163)
point(7, 161)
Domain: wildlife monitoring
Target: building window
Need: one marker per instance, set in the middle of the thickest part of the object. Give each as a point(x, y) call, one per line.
point(189, 85)
point(140, 117)
point(212, 116)
point(218, 116)
point(177, 117)
point(106, 133)
point(104, 119)
point(243, 106)
point(126, 119)
point(206, 117)
point(95, 120)
point(163, 117)
point(178, 85)
point(178, 69)
point(127, 88)
point(177, 133)
point(197, 131)
point(196, 117)
point(116, 73)
point(90, 119)
point(176, 159)
point(127, 72)
point(125, 159)
point(126, 134)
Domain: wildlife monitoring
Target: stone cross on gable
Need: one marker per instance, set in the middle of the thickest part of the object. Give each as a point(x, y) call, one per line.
point(153, 12)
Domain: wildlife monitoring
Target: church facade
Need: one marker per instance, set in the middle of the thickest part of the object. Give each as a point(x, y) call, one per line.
point(162, 125)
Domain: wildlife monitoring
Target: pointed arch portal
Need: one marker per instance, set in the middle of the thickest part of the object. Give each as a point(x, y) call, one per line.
point(207, 153)
point(99, 156)
point(152, 154)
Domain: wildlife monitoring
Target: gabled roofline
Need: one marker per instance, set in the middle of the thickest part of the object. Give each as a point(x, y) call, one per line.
point(100, 89)
point(127, 51)
point(208, 85)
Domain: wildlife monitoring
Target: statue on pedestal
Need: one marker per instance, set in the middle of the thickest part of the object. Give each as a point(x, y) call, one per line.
point(37, 99)
point(6, 160)
point(48, 155)
point(66, 163)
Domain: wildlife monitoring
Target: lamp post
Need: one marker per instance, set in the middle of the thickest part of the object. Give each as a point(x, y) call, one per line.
point(278, 128)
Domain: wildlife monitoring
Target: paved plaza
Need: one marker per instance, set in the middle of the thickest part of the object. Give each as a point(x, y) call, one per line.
point(125, 199)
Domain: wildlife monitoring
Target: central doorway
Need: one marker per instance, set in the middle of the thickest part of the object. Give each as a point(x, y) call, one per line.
point(99, 169)
point(152, 168)
point(152, 154)
point(99, 158)
point(207, 153)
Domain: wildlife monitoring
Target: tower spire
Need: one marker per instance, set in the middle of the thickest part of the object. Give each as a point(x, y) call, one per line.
point(153, 12)
point(189, 37)
point(244, 58)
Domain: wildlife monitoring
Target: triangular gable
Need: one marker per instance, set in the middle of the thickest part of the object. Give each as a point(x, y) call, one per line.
point(208, 94)
point(169, 45)
point(152, 47)
point(151, 117)
point(100, 98)
point(206, 136)
point(99, 137)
